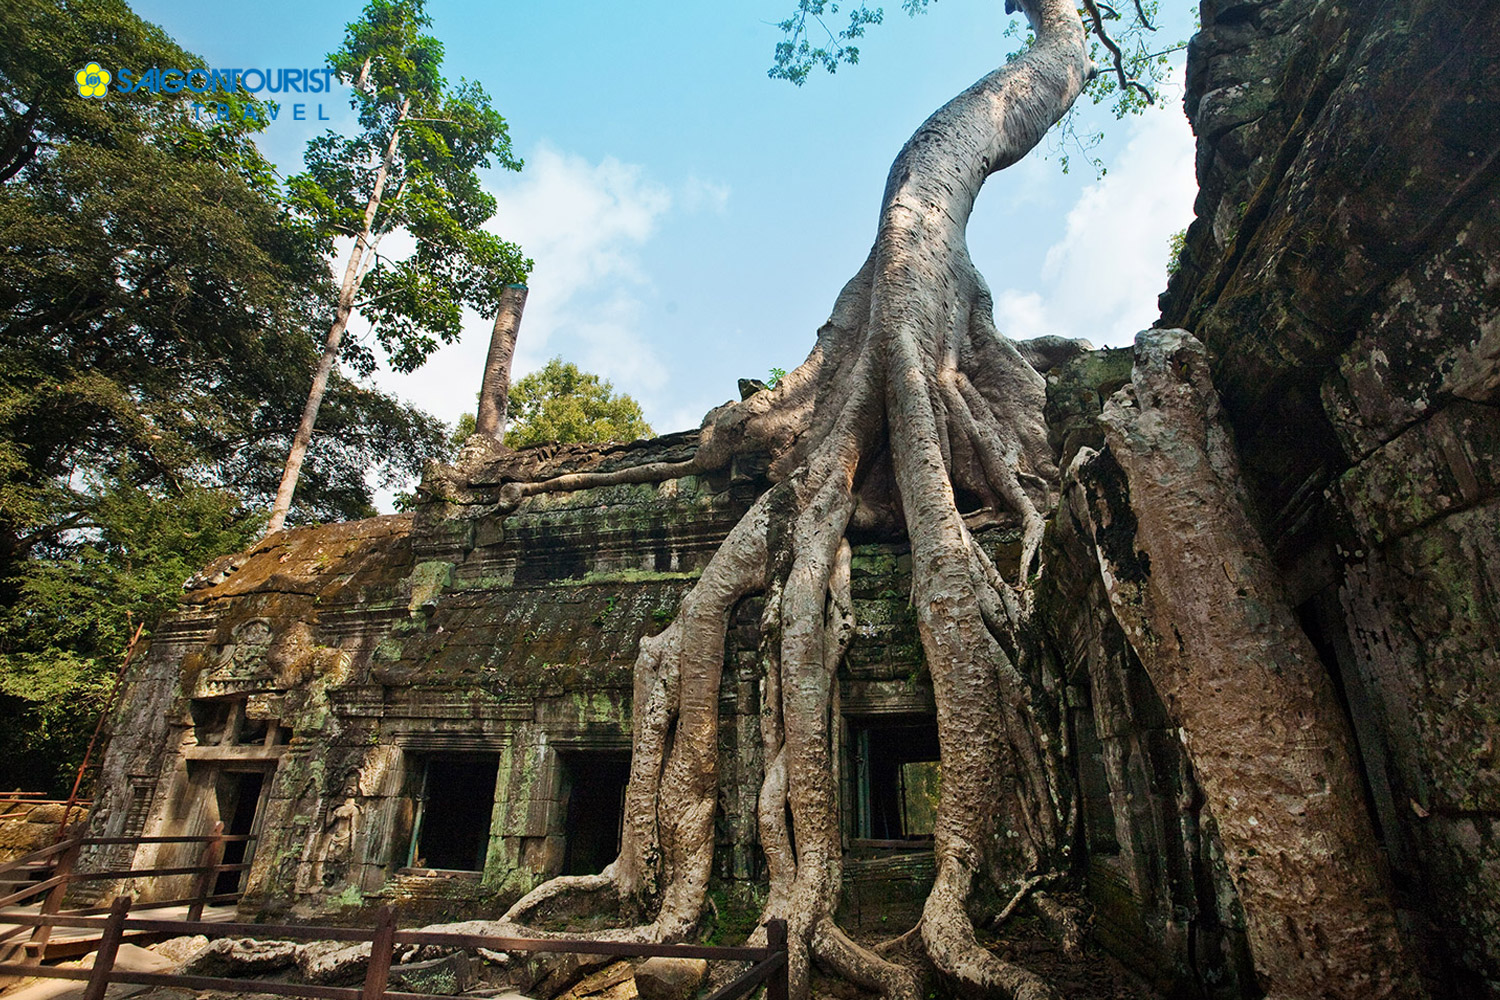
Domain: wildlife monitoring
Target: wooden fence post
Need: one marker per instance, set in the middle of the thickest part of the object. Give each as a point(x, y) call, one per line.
point(209, 861)
point(36, 948)
point(381, 949)
point(109, 945)
point(779, 985)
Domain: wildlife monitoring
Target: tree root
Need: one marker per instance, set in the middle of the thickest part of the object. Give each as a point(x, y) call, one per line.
point(909, 395)
point(1213, 628)
point(1046, 878)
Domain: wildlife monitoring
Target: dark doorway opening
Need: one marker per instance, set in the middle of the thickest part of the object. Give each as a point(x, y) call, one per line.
point(894, 766)
point(595, 789)
point(239, 803)
point(453, 822)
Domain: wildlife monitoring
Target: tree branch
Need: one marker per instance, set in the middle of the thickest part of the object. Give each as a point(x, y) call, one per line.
point(1126, 83)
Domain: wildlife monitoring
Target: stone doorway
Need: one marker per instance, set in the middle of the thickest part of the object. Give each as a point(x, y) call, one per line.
point(454, 813)
point(894, 766)
point(239, 796)
point(594, 785)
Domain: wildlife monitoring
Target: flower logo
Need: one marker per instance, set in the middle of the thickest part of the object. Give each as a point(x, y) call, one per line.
point(93, 80)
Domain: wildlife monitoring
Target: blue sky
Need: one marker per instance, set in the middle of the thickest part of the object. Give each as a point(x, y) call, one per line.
point(693, 220)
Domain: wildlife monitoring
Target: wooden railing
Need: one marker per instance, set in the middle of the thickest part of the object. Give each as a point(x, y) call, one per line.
point(769, 968)
point(17, 805)
point(55, 867)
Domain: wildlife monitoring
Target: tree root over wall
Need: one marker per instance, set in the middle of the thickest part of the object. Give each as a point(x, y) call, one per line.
point(909, 396)
point(1191, 583)
point(909, 393)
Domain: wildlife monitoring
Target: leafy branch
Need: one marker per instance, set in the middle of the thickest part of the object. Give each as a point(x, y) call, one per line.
point(1124, 40)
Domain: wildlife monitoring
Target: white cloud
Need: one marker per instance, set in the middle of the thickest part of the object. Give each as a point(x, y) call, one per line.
point(584, 225)
point(1101, 279)
point(699, 195)
point(1022, 315)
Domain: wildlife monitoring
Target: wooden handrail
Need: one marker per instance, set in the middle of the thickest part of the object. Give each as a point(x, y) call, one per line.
point(36, 948)
point(312, 932)
point(40, 854)
point(382, 947)
point(35, 889)
point(109, 946)
point(228, 838)
point(128, 873)
point(770, 962)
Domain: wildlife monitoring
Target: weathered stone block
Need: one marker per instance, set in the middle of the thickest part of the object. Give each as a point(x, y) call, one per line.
point(669, 978)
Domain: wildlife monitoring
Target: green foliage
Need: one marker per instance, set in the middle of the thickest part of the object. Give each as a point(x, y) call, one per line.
point(74, 604)
point(424, 141)
point(155, 341)
point(563, 404)
point(777, 374)
point(1176, 243)
point(735, 913)
point(1123, 44)
point(461, 431)
point(797, 55)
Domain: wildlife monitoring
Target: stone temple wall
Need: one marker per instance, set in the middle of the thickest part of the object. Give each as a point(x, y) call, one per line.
point(326, 673)
point(1344, 273)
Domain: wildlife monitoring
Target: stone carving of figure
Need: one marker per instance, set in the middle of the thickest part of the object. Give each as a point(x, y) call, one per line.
point(336, 842)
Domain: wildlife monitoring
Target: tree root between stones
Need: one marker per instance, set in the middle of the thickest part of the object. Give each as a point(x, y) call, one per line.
point(909, 395)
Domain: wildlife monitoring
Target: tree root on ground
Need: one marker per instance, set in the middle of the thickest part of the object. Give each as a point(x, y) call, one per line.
point(909, 398)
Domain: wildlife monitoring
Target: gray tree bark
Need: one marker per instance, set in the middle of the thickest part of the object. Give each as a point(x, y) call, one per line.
point(1190, 581)
point(909, 393)
point(365, 242)
point(494, 391)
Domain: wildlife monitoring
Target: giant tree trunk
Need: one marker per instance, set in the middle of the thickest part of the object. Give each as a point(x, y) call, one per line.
point(1190, 581)
point(909, 394)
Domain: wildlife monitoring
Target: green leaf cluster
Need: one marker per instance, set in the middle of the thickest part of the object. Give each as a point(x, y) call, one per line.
point(413, 167)
point(798, 55)
point(561, 403)
point(1144, 58)
point(160, 314)
point(73, 607)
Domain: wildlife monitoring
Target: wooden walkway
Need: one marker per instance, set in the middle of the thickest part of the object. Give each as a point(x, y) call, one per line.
point(72, 942)
point(36, 885)
point(769, 963)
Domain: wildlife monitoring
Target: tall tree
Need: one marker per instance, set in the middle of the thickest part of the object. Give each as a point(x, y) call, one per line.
point(910, 399)
point(413, 167)
point(149, 376)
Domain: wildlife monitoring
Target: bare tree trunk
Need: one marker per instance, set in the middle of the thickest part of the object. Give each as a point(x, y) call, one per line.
point(1202, 606)
point(494, 391)
point(364, 244)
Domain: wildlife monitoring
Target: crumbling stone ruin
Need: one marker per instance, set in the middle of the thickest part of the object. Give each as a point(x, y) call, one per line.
point(433, 709)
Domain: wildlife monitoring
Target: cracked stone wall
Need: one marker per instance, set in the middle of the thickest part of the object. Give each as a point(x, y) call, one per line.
point(1344, 272)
